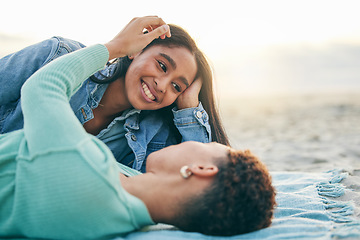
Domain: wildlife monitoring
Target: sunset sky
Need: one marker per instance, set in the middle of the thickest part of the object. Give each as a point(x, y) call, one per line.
point(256, 47)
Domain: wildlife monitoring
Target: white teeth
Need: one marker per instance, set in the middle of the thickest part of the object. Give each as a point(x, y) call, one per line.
point(147, 92)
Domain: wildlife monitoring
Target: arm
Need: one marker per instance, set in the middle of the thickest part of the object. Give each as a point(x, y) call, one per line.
point(190, 117)
point(193, 124)
point(45, 96)
point(17, 67)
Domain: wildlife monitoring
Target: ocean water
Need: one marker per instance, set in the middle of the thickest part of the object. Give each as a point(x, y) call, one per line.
point(317, 132)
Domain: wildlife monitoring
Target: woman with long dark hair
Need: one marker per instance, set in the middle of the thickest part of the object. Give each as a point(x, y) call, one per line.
point(139, 103)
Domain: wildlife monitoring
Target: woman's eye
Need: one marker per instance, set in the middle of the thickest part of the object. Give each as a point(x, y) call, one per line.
point(163, 66)
point(176, 87)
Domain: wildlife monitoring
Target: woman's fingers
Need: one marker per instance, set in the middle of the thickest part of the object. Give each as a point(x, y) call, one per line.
point(197, 84)
point(132, 39)
point(154, 22)
point(159, 31)
point(163, 36)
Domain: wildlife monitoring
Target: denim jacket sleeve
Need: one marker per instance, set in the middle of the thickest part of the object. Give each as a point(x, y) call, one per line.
point(17, 67)
point(193, 124)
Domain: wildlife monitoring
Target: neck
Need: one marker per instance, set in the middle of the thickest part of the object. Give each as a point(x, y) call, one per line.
point(150, 189)
point(112, 104)
point(114, 100)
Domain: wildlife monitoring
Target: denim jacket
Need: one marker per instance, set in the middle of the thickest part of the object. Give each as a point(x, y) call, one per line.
point(143, 131)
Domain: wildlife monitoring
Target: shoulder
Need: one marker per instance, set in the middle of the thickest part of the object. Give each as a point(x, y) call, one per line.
point(70, 44)
point(58, 46)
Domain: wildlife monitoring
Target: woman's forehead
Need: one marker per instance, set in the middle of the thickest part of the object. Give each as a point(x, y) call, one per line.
point(210, 150)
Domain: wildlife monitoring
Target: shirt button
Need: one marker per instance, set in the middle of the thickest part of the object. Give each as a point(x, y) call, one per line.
point(83, 113)
point(133, 137)
point(198, 114)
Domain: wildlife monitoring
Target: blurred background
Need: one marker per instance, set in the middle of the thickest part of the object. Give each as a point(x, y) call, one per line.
point(287, 72)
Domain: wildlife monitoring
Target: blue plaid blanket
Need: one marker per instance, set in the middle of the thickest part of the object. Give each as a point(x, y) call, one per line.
point(306, 209)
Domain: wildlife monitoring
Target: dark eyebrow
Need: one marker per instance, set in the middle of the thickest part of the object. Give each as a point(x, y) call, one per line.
point(173, 64)
point(170, 60)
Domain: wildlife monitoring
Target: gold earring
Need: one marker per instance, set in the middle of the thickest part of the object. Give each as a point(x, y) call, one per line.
point(185, 172)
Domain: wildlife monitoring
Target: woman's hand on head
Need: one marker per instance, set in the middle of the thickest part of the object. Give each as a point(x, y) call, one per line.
point(190, 97)
point(132, 39)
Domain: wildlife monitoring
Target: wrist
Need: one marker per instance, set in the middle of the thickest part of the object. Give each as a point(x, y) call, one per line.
point(183, 105)
point(114, 52)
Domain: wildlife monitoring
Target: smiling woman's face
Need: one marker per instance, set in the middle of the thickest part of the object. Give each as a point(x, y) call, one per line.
point(157, 76)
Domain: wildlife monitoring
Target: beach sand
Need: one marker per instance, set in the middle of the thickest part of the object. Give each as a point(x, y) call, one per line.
point(306, 133)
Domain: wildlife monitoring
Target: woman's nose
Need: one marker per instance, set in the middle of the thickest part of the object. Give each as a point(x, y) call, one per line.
point(161, 85)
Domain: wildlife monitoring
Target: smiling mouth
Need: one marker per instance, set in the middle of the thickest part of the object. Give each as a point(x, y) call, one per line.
point(147, 92)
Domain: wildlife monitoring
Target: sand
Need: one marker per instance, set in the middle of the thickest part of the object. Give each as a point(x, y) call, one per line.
point(308, 133)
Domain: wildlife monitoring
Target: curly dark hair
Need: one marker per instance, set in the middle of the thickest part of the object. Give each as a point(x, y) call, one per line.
point(240, 200)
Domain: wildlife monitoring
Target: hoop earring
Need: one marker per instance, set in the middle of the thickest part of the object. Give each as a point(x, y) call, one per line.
point(185, 172)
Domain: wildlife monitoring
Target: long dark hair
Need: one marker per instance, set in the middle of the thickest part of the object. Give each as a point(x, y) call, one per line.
point(180, 38)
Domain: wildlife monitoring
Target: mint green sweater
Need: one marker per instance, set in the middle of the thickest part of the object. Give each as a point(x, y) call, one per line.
point(57, 181)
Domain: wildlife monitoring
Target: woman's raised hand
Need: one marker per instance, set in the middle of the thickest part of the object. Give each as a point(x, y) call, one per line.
point(132, 40)
point(190, 97)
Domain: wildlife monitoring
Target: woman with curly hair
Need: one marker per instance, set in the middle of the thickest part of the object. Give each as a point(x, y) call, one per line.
point(60, 182)
point(239, 200)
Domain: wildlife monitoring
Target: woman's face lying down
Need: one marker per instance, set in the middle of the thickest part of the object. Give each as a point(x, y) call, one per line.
point(172, 158)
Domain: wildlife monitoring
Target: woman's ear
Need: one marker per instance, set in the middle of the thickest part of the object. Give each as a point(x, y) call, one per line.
point(202, 170)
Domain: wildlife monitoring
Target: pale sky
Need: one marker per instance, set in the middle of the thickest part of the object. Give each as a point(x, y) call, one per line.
point(248, 42)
